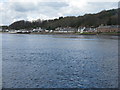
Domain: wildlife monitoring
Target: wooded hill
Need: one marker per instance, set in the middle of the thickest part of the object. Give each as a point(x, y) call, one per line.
point(106, 17)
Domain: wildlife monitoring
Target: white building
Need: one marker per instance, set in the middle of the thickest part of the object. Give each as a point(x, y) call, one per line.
point(65, 29)
point(51, 31)
point(81, 29)
point(37, 30)
point(46, 30)
point(84, 29)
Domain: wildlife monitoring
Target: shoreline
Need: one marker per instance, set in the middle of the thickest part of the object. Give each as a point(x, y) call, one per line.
point(47, 33)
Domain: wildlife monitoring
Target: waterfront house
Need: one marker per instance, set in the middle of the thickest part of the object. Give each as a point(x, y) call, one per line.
point(84, 29)
point(81, 29)
point(37, 30)
point(6, 30)
point(65, 30)
point(89, 30)
point(110, 28)
point(47, 30)
point(51, 31)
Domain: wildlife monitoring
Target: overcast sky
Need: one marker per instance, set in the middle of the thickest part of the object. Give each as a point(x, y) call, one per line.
point(14, 10)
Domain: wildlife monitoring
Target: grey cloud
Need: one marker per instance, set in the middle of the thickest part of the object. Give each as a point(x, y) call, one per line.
point(104, 3)
point(23, 7)
point(97, 6)
point(29, 6)
point(54, 4)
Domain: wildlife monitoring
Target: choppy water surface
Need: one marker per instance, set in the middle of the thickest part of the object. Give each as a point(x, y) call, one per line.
point(59, 61)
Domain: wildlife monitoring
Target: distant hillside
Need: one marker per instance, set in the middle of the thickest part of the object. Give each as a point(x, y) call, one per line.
point(109, 17)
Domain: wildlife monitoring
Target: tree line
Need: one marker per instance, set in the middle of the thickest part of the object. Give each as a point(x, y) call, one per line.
point(106, 17)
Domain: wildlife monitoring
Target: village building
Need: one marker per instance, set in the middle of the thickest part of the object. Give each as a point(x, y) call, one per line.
point(112, 28)
point(84, 29)
point(47, 30)
point(90, 30)
point(65, 29)
point(37, 30)
point(81, 29)
point(50, 31)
